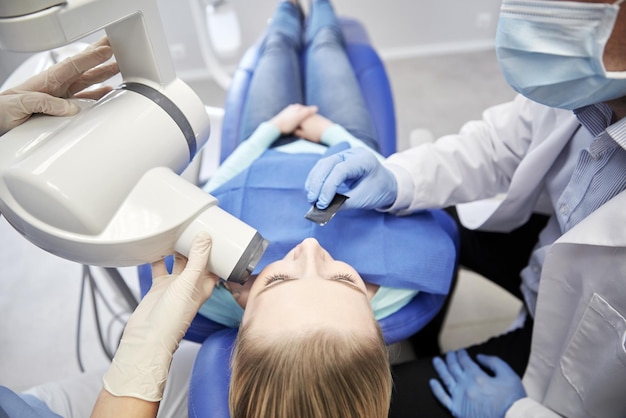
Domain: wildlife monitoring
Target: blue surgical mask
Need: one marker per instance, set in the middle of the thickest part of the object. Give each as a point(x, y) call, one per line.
point(551, 51)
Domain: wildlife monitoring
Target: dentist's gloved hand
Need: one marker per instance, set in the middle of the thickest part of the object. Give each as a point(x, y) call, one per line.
point(153, 332)
point(469, 391)
point(47, 92)
point(356, 173)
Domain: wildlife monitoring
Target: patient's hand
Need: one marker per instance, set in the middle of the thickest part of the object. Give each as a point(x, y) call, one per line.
point(313, 127)
point(288, 119)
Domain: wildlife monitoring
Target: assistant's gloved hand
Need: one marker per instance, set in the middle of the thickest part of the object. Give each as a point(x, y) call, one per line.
point(472, 393)
point(47, 92)
point(356, 173)
point(153, 332)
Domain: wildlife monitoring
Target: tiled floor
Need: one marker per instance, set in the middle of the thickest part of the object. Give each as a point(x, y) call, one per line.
point(39, 293)
point(39, 296)
point(479, 310)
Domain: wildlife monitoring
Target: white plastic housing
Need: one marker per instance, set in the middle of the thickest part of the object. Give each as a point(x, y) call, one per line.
point(160, 215)
point(81, 170)
point(102, 187)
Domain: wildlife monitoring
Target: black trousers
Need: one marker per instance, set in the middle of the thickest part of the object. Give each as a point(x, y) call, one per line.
point(412, 397)
point(498, 257)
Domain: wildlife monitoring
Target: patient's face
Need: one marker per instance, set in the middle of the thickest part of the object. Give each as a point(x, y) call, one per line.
point(308, 289)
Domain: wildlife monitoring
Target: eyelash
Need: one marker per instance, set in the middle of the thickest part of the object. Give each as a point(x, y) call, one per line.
point(275, 278)
point(344, 277)
point(279, 277)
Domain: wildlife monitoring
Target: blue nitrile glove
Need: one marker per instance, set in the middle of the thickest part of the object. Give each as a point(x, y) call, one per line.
point(469, 391)
point(356, 173)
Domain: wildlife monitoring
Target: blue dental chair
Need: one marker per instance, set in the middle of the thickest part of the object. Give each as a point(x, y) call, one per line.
point(209, 384)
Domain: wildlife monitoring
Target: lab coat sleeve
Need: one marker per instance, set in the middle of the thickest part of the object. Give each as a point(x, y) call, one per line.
point(476, 163)
point(529, 408)
point(335, 134)
point(245, 153)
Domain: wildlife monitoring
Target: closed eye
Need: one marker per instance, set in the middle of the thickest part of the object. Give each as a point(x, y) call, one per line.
point(276, 278)
point(344, 277)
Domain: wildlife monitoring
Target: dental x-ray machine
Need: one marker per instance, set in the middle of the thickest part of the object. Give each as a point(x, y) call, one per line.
point(102, 187)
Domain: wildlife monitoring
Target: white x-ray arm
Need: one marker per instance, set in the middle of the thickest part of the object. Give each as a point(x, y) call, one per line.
point(134, 29)
point(103, 187)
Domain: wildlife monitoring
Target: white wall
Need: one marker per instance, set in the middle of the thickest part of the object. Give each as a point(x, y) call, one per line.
point(398, 28)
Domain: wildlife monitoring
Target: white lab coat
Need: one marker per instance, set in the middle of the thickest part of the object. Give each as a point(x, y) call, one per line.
point(577, 365)
point(509, 151)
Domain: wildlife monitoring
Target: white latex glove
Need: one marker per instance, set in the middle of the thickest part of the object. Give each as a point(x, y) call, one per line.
point(47, 92)
point(153, 332)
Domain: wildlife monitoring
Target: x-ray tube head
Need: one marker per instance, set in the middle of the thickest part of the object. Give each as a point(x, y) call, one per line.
point(236, 247)
point(103, 187)
point(91, 199)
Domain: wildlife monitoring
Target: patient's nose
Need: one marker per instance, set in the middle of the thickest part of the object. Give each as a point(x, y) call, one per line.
point(309, 254)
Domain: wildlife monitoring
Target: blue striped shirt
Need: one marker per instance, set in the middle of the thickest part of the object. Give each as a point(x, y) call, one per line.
point(590, 171)
point(600, 172)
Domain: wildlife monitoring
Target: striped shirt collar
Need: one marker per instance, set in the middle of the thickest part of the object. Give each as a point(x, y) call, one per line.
point(597, 118)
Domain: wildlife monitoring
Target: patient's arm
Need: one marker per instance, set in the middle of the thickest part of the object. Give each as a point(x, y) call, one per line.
point(319, 129)
point(245, 153)
point(252, 148)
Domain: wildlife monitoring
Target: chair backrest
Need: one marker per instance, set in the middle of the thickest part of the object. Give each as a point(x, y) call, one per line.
point(209, 384)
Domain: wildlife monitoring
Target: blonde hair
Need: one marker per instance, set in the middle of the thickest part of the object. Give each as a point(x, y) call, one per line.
point(316, 374)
